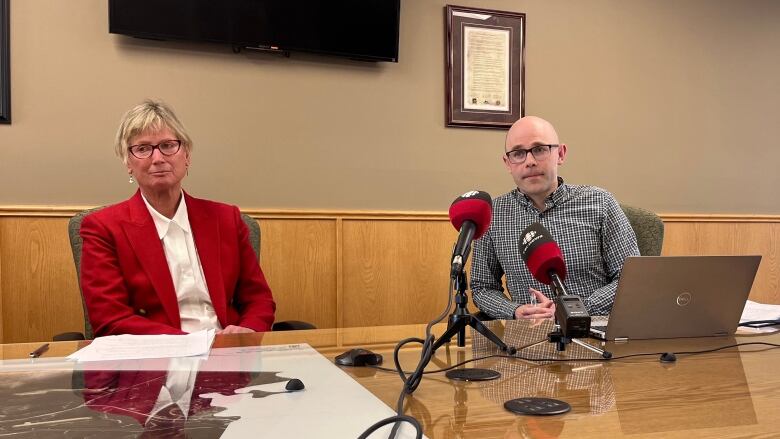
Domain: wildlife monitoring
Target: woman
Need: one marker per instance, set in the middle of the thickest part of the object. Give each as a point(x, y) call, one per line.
point(164, 262)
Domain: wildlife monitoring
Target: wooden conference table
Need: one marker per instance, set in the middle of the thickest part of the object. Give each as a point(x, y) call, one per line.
point(730, 393)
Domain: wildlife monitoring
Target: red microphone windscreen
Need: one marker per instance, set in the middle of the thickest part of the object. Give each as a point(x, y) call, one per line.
point(541, 253)
point(545, 258)
point(474, 206)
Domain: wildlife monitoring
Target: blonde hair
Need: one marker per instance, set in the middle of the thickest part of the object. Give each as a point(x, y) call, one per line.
point(150, 115)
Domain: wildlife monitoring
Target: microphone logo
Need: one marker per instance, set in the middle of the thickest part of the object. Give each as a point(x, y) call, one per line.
point(469, 194)
point(529, 237)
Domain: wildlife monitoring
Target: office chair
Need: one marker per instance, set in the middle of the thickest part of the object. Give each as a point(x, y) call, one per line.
point(76, 243)
point(648, 228)
point(649, 231)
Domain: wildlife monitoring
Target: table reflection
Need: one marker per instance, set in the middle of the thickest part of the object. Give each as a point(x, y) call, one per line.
point(586, 385)
point(171, 403)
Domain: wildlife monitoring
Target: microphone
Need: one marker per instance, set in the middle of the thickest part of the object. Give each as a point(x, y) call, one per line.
point(470, 214)
point(542, 255)
point(544, 260)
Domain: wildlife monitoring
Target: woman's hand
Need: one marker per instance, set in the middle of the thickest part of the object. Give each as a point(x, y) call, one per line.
point(232, 329)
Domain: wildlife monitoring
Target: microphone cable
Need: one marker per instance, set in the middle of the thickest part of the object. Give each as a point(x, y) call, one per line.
point(412, 381)
point(768, 345)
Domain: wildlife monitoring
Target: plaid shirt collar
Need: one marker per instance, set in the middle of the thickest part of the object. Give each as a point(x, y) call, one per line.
point(558, 196)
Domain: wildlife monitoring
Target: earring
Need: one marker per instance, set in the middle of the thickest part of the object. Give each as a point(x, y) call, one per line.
point(131, 179)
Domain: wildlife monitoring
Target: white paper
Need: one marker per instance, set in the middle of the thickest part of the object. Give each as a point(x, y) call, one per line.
point(134, 347)
point(759, 311)
point(486, 65)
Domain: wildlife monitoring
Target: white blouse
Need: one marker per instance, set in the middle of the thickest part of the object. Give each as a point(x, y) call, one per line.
point(195, 307)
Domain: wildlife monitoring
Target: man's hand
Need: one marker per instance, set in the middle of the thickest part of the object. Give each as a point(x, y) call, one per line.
point(543, 309)
point(232, 329)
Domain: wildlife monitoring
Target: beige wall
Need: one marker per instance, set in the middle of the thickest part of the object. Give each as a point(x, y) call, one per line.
point(670, 105)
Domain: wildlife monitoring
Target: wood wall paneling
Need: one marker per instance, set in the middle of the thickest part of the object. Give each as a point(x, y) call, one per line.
point(298, 257)
point(333, 269)
point(39, 286)
point(395, 271)
point(732, 238)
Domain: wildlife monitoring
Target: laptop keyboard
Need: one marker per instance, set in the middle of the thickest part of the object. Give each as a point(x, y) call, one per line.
point(599, 323)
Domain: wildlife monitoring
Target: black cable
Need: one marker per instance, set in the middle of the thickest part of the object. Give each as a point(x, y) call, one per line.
point(563, 360)
point(413, 380)
point(760, 323)
point(398, 418)
point(455, 366)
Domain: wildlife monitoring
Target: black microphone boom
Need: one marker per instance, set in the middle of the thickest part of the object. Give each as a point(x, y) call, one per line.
point(462, 247)
point(470, 214)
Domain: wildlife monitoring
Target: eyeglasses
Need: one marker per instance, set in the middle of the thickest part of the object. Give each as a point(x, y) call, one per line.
point(145, 150)
point(540, 152)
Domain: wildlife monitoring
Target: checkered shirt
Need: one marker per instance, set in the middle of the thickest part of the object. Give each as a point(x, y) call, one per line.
point(589, 227)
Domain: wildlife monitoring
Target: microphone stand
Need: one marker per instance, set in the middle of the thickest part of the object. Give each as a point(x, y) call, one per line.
point(461, 317)
point(557, 335)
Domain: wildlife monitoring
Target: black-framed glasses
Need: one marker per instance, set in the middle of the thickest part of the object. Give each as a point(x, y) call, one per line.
point(145, 150)
point(540, 152)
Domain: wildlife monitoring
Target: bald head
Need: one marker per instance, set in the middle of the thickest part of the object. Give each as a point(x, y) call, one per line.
point(536, 173)
point(530, 127)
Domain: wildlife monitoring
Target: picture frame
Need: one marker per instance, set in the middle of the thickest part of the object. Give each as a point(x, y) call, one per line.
point(485, 67)
point(5, 66)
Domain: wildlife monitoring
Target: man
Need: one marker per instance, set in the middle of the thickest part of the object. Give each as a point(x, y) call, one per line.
point(586, 222)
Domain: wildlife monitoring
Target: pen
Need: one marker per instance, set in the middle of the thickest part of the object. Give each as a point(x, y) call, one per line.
point(38, 352)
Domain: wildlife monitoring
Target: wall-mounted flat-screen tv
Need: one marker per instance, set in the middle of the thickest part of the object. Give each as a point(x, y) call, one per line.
point(360, 29)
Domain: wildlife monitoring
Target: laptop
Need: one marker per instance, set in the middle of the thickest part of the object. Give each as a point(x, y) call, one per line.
point(678, 296)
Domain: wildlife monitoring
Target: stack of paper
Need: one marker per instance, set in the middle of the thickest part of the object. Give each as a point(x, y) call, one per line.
point(134, 347)
point(755, 311)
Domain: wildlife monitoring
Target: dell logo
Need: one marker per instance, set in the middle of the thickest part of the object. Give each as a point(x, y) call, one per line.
point(469, 194)
point(528, 237)
point(684, 299)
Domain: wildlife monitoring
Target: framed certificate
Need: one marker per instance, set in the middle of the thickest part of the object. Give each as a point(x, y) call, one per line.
point(5, 67)
point(485, 67)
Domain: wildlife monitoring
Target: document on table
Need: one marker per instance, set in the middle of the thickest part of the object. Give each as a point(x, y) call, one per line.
point(133, 347)
point(755, 311)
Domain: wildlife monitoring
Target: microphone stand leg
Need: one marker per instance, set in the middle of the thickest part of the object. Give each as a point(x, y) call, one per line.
point(560, 342)
point(490, 335)
point(590, 347)
point(461, 318)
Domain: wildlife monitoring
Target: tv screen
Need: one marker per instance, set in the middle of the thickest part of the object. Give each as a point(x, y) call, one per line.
point(362, 29)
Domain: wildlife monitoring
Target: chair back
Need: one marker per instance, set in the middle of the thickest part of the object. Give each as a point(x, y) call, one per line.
point(254, 233)
point(648, 228)
point(76, 243)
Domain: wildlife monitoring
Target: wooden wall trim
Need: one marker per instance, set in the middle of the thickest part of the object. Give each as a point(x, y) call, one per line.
point(43, 211)
point(718, 218)
point(67, 211)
